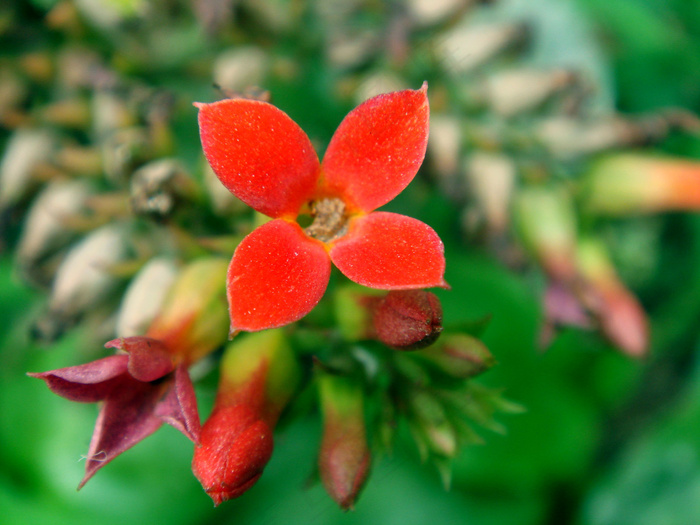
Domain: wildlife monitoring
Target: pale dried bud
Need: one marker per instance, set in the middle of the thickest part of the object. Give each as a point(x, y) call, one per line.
point(110, 113)
point(466, 47)
point(24, 151)
point(444, 147)
point(83, 279)
point(45, 228)
point(194, 318)
point(430, 12)
point(518, 90)
point(157, 186)
point(121, 149)
point(349, 48)
point(408, 319)
point(145, 296)
point(378, 83)
point(241, 68)
point(491, 179)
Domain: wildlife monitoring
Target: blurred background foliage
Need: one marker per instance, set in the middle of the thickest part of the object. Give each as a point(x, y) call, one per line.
point(604, 439)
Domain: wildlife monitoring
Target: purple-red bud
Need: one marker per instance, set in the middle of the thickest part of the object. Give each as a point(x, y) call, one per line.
point(408, 319)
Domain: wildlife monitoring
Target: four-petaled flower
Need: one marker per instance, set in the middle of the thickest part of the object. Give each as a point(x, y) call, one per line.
point(280, 271)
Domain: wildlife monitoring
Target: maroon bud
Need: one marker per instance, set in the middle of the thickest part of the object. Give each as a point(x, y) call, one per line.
point(408, 319)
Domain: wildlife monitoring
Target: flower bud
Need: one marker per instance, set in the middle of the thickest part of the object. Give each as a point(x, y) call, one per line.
point(629, 184)
point(426, 12)
point(194, 318)
point(619, 313)
point(240, 68)
point(24, 151)
point(458, 355)
point(432, 430)
point(45, 229)
point(83, 280)
point(236, 446)
point(344, 457)
point(145, 296)
point(547, 226)
point(408, 319)
point(467, 46)
point(491, 179)
point(444, 147)
point(157, 186)
point(518, 90)
point(259, 374)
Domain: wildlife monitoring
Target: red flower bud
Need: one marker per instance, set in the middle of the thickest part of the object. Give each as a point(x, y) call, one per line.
point(408, 319)
point(236, 446)
point(259, 374)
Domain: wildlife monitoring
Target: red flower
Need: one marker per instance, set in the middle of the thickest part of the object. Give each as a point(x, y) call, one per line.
point(280, 271)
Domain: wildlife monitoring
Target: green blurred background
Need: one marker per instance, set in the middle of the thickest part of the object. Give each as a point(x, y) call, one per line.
point(604, 440)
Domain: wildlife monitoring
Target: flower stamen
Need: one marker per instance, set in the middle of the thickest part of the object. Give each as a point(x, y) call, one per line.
point(330, 220)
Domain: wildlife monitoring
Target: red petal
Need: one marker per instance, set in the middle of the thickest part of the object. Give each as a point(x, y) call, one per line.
point(276, 277)
point(149, 358)
point(378, 148)
point(260, 154)
point(86, 383)
point(391, 252)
